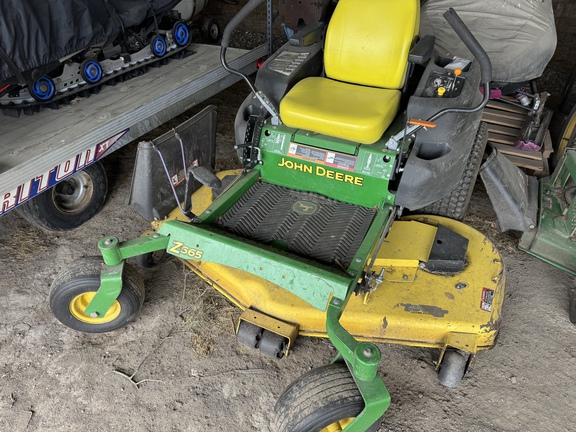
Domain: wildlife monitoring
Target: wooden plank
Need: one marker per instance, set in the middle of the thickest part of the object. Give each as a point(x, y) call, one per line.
point(505, 123)
point(507, 107)
point(497, 119)
point(530, 164)
point(548, 148)
point(545, 119)
point(505, 114)
point(510, 150)
point(503, 130)
point(545, 169)
point(504, 139)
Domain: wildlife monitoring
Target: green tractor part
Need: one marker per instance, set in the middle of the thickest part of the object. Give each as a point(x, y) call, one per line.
point(553, 240)
point(544, 211)
point(306, 236)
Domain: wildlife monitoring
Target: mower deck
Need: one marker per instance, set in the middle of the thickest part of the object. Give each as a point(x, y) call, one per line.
point(411, 307)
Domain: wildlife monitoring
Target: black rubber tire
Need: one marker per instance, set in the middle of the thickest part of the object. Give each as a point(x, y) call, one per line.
point(455, 204)
point(49, 211)
point(210, 30)
point(452, 369)
point(572, 308)
point(83, 276)
point(273, 345)
point(318, 399)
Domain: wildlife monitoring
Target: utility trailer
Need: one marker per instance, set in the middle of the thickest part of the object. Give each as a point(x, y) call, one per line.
point(49, 162)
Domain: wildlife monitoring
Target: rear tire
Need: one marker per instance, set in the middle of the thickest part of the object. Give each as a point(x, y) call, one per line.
point(455, 204)
point(70, 203)
point(324, 397)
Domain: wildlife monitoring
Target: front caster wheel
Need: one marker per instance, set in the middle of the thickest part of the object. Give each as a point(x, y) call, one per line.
point(452, 369)
point(75, 286)
point(325, 399)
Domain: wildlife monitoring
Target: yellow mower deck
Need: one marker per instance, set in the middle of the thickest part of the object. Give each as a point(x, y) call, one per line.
point(411, 307)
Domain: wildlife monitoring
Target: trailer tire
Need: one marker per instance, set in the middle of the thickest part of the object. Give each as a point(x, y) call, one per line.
point(455, 204)
point(74, 287)
point(324, 397)
point(70, 203)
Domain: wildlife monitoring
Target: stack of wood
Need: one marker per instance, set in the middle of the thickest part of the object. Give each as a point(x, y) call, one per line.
point(508, 124)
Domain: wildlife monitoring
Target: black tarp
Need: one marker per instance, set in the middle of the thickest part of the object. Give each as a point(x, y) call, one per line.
point(36, 33)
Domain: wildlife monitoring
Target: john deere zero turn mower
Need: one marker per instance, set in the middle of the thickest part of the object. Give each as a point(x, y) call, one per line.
point(308, 238)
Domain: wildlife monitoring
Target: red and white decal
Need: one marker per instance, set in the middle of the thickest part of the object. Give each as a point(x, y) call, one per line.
point(47, 179)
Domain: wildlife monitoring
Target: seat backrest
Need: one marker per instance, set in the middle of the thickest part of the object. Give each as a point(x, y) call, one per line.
point(368, 41)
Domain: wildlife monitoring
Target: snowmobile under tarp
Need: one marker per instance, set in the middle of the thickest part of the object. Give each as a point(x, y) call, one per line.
point(54, 48)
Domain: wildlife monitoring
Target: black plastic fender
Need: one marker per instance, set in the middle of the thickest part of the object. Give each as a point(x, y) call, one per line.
point(438, 156)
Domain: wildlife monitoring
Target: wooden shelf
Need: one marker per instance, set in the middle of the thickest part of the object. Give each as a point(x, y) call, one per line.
point(506, 123)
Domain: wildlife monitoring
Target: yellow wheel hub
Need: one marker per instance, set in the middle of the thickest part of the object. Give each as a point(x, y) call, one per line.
point(79, 304)
point(338, 426)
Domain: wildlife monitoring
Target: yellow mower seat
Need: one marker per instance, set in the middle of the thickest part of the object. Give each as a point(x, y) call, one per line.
point(366, 60)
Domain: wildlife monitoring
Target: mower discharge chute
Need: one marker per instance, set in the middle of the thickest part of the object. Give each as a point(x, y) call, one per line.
point(306, 238)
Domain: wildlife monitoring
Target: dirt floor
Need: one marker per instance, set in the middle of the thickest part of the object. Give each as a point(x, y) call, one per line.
point(179, 368)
